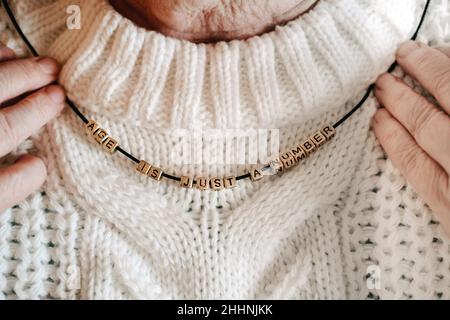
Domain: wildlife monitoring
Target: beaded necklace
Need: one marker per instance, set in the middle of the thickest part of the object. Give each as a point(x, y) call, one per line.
point(283, 162)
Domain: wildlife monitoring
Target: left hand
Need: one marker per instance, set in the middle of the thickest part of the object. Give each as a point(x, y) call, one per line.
point(415, 133)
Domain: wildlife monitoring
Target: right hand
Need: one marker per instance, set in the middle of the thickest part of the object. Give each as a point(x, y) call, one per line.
point(28, 100)
point(414, 132)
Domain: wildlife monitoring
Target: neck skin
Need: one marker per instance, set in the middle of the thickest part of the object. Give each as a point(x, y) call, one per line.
point(211, 20)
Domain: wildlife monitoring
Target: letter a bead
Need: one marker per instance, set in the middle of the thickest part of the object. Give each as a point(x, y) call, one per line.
point(256, 174)
point(92, 127)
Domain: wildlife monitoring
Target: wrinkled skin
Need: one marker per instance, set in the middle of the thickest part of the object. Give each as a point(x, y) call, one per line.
point(211, 20)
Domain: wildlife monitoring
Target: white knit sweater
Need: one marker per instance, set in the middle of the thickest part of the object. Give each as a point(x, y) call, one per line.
point(97, 230)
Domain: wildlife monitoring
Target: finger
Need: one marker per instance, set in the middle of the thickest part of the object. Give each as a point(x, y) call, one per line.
point(444, 49)
point(23, 119)
point(426, 177)
point(428, 125)
point(20, 180)
point(428, 66)
point(6, 54)
point(22, 75)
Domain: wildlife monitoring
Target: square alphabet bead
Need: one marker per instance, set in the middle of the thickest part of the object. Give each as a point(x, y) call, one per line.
point(318, 138)
point(92, 127)
point(309, 147)
point(201, 183)
point(110, 145)
point(143, 167)
point(288, 160)
point(155, 173)
point(186, 182)
point(298, 153)
point(256, 174)
point(216, 184)
point(101, 135)
point(328, 131)
point(230, 182)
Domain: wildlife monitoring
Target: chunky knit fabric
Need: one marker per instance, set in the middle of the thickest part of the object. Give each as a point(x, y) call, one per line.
point(97, 230)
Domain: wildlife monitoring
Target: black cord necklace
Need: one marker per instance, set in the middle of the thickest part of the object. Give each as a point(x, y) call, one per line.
point(284, 162)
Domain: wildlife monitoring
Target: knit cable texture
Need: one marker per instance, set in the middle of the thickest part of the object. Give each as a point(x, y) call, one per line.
point(96, 230)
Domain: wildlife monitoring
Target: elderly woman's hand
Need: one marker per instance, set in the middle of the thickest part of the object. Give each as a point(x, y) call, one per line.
point(21, 116)
point(415, 133)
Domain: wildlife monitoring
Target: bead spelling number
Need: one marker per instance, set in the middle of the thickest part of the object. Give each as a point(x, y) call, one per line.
point(284, 162)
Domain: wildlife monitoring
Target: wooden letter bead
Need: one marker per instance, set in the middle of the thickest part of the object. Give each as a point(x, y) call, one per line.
point(329, 132)
point(201, 183)
point(256, 174)
point(288, 160)
point(155, 173)
point(92, 127)
point(309, 147)
point(230, 182)
point(143, 167)
point(298, 153)
point(216, 184)
point(186, 182)
point(318, 138)
point(110, 145)
point(101, 135)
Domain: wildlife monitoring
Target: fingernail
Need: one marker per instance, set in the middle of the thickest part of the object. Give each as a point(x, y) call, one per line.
point(56, 93)
point(48, 65)
point(408, 47)
point(382, 81)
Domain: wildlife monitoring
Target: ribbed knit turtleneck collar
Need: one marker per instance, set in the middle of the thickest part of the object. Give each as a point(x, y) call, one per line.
point(311, 65)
